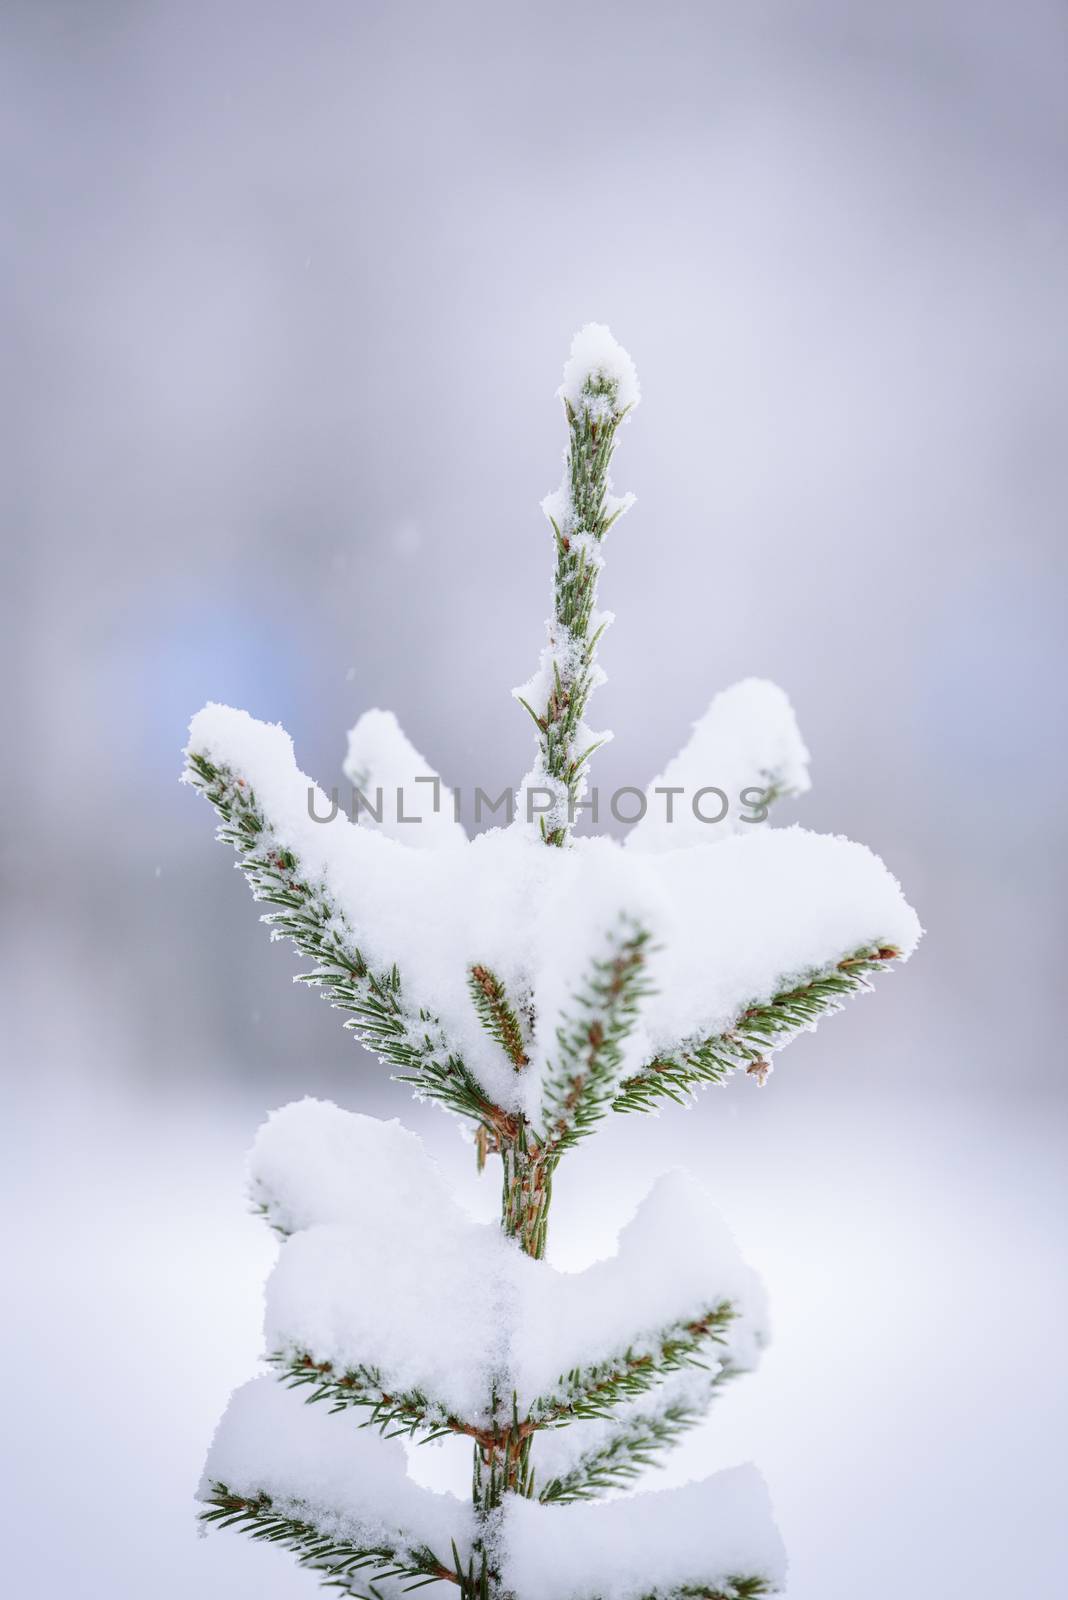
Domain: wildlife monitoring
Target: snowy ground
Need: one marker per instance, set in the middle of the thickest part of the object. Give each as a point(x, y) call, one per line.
point(906, 1415)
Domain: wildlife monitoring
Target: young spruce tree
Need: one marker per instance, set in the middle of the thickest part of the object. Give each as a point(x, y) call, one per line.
point(533, 984)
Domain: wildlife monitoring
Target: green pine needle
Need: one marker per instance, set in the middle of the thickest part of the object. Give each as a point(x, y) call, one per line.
point(497, 1014)
point(594, 1391)
point(736, 1588)
point(342, 1561)
point(580, 1085)
point(591, 442)
point(760, 1029)
point(405, 1037)
point(411, 1413)
point(636, 1445)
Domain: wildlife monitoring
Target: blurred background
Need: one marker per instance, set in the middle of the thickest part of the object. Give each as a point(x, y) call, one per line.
point(286, 293)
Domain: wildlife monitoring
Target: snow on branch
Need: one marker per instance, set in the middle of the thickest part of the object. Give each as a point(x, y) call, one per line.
point(590, 1393)
point(498, 1015)
point(599, 365)
point(340, 1498)
point(390, 1290)
point(580, 1082)
point(677, 1292)
point(600, 388)
point(397, 1303)
point(712, 1540)
point(343, 1563)
point(764, 934)
point(246, 770)
point(758, 1032)
point(311, 1162)
point(413, 1414)
point(596, 1454)
point(730, 925)
point(674, 1307)
point(529, 990)
point(397, 790)
point(748, 747)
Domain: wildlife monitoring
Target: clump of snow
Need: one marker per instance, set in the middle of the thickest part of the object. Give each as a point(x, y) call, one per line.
point(394, 779)
point(619, 1304)
point(595, 354)
point(399, 1279)
point(347, 1481)
point(748, 739)
point(699, 1536)
point(389, 1273)
point(311, 1162)
point(732, 922)
point(616, 506)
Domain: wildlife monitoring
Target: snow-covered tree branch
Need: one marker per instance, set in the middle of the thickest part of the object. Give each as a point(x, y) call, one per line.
point(599, 391)
point(531, 992)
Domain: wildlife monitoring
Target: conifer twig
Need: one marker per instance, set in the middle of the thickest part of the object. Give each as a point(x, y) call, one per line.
point(497, 1015)
point(759, 1031)
point(593, 1391)
point(579, 1086)
point(344, 1561)
point(409, 1413)
point(635, 1444)
point(403, 1036)
point(736, 1588)
point(581, 514)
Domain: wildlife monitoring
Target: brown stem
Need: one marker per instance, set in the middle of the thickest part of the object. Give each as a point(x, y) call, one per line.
point(526, 1192)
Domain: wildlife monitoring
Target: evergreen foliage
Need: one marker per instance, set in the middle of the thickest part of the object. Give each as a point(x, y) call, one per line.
point(593, 1065)
point(594, 1392)
point(497, 1015)
point(579, 1085)
point(757, 1031)
point(636, 1445)
point(411, 1414)
point(401, 1035)
point(575, 633)
point(343, 1564)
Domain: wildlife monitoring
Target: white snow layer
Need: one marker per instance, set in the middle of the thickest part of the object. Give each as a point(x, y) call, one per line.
point(352, 1484)
point(387, 769)
point(312, 1162)
point(699, 1535)
point(748, 739)
point(596, 354)
point(732, 922)
point(388, 1272)
point(348, 1481)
